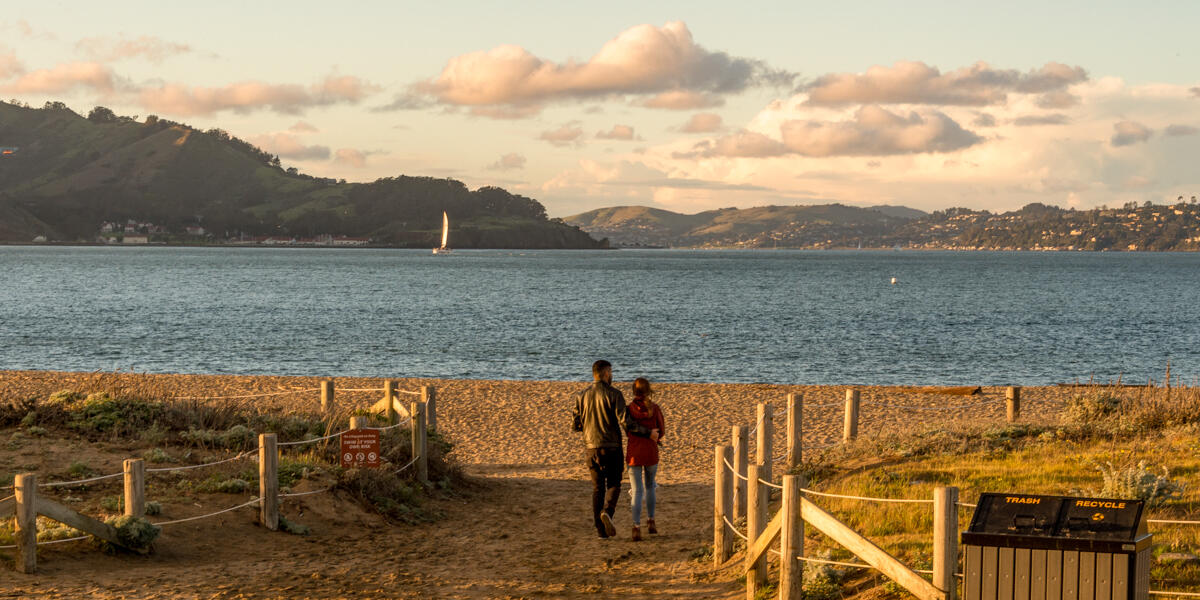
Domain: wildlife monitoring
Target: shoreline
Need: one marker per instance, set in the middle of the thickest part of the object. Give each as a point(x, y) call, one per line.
point(684, 248)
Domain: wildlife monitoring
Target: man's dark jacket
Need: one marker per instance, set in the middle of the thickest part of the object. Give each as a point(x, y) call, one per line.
point(600, 413)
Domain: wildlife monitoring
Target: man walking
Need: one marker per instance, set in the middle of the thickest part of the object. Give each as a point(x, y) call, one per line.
point(600, 413)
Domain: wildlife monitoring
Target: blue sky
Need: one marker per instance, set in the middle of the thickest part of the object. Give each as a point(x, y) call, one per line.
point(694, 105)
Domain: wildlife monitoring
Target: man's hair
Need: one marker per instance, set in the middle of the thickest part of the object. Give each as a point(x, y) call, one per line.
point(599, 366)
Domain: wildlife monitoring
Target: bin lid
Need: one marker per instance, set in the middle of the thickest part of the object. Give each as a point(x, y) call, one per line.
point(1065, 522)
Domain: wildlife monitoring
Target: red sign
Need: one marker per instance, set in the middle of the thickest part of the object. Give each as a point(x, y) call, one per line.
point(360, 448)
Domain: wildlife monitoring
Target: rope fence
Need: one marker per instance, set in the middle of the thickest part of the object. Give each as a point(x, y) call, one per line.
point(244, 396)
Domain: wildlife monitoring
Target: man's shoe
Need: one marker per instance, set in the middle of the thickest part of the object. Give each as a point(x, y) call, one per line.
point(609, 528)
point(603, 535)
point(650, 526)
point(637, 534)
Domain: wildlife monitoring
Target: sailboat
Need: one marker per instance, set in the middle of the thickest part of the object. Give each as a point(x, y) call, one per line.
point(444, 249)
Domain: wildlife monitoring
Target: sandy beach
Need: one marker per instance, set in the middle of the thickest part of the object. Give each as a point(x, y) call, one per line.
point(521, 530)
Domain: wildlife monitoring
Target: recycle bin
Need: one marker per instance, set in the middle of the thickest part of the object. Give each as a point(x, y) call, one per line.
point(1030, 547)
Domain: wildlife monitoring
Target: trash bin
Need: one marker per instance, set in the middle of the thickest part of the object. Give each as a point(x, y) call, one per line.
point(1029, 547)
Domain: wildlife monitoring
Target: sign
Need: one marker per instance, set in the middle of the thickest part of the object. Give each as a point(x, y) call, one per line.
point(360, 449)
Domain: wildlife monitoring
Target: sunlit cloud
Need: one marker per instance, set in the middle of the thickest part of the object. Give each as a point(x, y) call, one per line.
point(508, 162)
point(287, 145)
point(107, 49)
point(1180, 130)
point(702, 123)
point(60, 79)
point(9, 65)
point(618, 132)
point(1036, 120)
point(249, 96)
point(1126, 133)
point(350, 157)
point(664, 62)
point(303, 127)
point(914, 82)
point(566, 135)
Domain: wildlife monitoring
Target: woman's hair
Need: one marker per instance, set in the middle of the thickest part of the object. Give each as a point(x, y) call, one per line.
point(641, 387)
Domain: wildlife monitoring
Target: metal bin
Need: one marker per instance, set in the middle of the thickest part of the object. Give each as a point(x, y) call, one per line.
point(1029, 547)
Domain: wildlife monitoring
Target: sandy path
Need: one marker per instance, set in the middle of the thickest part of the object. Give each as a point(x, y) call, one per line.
point(523, 532)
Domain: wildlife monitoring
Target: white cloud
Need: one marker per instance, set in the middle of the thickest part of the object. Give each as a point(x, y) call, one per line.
point(107, 49)
point(249, 96)
point(683, 100)
point(1126, 133)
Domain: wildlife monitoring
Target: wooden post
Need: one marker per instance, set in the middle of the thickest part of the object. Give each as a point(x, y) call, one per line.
point(25, 490)
point(945, 540)
point(135, 487)
point(419, 441)
point(360, 422)
point(722, 502)
point(1012, 401)
point(327, 396)
point(756, 519)
point(741, 443)
point(795, 430)
point(268, 481)
point(791, 540)
point(429, 397)
point(850, 424)
point(389, 401)
point(766, 440)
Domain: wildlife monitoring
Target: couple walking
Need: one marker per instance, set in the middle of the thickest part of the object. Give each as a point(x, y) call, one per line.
point(601, 414)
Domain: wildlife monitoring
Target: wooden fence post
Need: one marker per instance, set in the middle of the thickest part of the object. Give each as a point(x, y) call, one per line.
point(327, 396)
point(25, 490)
point(741, 441)
point(135, 487)
point(795, 430)
point(419, 441)
point(1012, 401)
point(850, 424)
point(756, 520)
point(268, 481)
point(766, 439)
point(389, 398)
point(722, 501)
point(360, 422)
point(791, 540)
point(429, 397)
point(945, 540)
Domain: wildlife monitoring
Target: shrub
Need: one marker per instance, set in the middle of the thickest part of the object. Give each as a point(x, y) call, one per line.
point(1091, 408)
point(79, 470)
point(102, 413)
point(293, 527)
point(1137, 482)
point(157, 456)
point(134, 533)
point(153, 508)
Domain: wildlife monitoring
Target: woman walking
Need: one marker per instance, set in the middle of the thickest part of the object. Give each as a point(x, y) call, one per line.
point(642, 455)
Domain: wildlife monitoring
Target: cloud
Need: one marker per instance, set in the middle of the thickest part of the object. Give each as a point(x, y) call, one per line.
point(1180, 130)
point(248, 96)
point(351, 158)
point(566, 135)
point(914, 82)
point(1057, 99)
point(683, 100)
point(107, 49)
point(286, 145)
point(62, 79)
point(984, 120)
point(303, 127)
point(877, 132)
point(406, 101)
point(1035, 120)
point(508, 162)
point(743, 144)
point(1129, 132)
point(702, 123)
point(642, 60)
point(506, 112)
point(9, 65)
point(25, 30)
point(618, 132)
point(1195, 91)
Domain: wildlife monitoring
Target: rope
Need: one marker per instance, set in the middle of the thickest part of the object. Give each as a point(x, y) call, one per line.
point(8, 498)
point(822, 405)
point(404, 422)
point(769, 484)
point(81, 481)
point(898, 500)
point(410, 463)
point(408, 392)
point(967, 504)
point(734, 529)
point(733, 470)
point(62, 541)
point(305, 493)
point(231, 509)
point(188, 467)
point(361, 389)
point(1171, 522)
point(316, 389)
point(312, 440)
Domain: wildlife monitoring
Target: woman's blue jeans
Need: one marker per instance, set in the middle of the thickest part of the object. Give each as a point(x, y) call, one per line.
point(642, 484)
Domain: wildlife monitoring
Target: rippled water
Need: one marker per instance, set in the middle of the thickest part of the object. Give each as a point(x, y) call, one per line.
point(736, 316)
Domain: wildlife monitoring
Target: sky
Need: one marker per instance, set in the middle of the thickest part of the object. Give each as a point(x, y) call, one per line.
point(685, 106)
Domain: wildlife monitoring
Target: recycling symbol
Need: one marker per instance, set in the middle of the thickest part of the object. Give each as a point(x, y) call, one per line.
point(1098, 517)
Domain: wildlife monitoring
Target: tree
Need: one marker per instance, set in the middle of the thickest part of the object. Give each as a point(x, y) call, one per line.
point(54, 105)
point(101, 114)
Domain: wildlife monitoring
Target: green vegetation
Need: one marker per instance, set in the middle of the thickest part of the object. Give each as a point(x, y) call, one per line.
point(74, 173)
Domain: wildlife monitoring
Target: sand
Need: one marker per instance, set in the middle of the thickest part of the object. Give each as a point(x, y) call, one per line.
point(521, 530)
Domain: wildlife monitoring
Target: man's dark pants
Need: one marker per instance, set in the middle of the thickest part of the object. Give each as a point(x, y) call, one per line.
point(606, 466)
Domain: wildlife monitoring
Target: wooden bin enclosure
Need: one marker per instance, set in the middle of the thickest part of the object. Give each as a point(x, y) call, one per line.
point(1029, 547)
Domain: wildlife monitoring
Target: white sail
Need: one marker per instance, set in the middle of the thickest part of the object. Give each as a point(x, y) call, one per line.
point(445, 228)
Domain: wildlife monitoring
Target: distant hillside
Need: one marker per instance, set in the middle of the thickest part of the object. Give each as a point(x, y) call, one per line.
point(787, 226)
point(1034, 227)
point(70, 174)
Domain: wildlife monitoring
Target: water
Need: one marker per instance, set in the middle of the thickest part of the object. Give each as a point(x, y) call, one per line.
point(807, 317)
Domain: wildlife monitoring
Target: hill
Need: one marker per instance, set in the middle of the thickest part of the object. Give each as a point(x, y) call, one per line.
point(71, 174)
point(1034, 227)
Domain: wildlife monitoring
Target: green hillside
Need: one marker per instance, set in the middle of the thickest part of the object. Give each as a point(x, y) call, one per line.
point(72, 173)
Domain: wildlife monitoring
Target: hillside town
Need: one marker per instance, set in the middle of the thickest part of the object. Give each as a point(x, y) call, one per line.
point(136, 232)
